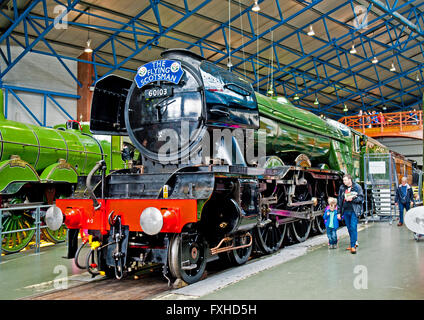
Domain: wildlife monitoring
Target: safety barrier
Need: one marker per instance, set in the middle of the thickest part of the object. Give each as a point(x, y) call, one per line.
point(402, 121)
point(37, 223)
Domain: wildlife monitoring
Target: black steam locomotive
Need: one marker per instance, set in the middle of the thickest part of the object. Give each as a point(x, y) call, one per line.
point(222, 170)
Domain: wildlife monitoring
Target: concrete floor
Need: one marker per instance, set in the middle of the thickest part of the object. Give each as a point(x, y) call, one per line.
point(389, 265)
point(27, 273)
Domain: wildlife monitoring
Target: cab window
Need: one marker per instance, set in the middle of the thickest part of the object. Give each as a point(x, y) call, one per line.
point(357, 143)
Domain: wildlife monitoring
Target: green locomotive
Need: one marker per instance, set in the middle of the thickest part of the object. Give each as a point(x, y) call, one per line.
point(38, 165)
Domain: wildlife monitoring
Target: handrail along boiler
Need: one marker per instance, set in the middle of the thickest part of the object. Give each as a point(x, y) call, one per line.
point(204, 202)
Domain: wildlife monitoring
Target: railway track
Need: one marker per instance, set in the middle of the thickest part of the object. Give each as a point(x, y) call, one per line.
point(143, 285)
point(140, 286)
point(129, 288)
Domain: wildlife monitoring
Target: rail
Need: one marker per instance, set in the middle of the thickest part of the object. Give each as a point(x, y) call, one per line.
point(37, 224)
point(400, 121)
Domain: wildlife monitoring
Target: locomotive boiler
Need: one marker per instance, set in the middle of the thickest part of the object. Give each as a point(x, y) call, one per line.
point(222, 169)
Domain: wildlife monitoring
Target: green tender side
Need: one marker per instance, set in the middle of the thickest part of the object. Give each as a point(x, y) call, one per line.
point(291, 131)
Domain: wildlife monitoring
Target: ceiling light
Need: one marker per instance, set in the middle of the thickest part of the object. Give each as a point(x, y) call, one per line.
point(393, 68)
point(270, 91)
point(296, 97)
point(375, 60)
point(345, 109)
point(256, 7)
point(353, 50)
point(229, 64)
point(88, 48)
point(311, 31)
point(384, 108)
point(316, 100)
point(418, 77)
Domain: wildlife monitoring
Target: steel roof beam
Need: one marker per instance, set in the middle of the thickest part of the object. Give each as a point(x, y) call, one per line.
point(328, 45)
point(388, 80)
point(187, 14)
point(333, 75)
point(397, 16)
point(70, 6)
point(69, 45)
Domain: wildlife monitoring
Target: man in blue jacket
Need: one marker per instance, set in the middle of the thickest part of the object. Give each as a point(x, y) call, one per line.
point(404, 198)
point(349, 202)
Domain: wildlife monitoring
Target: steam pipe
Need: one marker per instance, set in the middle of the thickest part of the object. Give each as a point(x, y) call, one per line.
point(98, 165)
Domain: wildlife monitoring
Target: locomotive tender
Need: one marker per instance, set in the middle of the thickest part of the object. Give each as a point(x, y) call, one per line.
point(194, 193)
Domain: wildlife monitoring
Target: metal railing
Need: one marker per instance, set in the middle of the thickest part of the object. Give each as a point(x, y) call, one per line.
point(405, 121)
point(380, 181)
point(37, 224)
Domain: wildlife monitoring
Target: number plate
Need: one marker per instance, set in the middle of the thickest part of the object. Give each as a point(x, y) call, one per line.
point(158, 92)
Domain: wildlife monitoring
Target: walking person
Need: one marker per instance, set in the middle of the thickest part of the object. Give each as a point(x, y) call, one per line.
point(331, 222)
point(349, 202)
point(368, 119)
point(414, 115)
point(361, 116)
point(404, 198)
point(374, 118)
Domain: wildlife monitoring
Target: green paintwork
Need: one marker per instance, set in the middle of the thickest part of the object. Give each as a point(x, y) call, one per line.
point(55, 154)
point(59, 172)
point(40, 146)
point(291, 131)
point(14, 174)
point(115, 152)
point(328, 143)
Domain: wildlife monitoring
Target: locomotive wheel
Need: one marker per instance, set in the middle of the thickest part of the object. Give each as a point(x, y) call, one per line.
point(239, 256)
point(270, 237)
point(319, 225)
point(55, 236)
point(16, 241)
point(299, 230)
point(195, 249)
